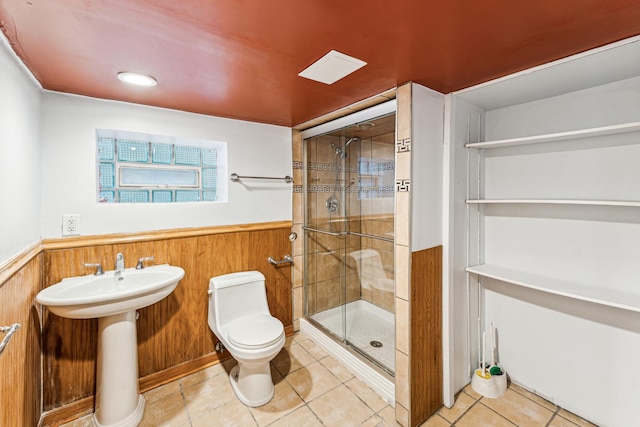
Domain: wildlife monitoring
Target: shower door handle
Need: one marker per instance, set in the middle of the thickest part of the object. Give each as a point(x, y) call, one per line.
point(330, 233)
point(287, 260)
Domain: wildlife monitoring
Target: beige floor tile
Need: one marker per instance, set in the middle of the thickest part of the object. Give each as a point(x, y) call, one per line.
point(471, 392)
point(481, 416)
point(289, 340)
point(203, 375)
point(375, 421)
point(285, 400)
point(300, 336)
point(232, 414)
point(168, 411)
point(388, 414)
point(559, 421)
point(574, 418)
point(276, 376)
point(340, 407)
point(298, 418)
point(205, 396)
point(314, 349)
point(312, 381)
point(539, 400)
point(436, 421)
point(336, 368)
point(462, 403)
point(519, 409)
point(366, 394)
point(292, 358)
point(162, 391)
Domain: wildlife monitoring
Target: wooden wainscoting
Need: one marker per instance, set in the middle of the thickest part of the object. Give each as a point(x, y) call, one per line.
point(20, 369)
point(174, 338)
point(426, 333)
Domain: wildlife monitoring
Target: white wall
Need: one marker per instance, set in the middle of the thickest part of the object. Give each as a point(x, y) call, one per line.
point(19, 157)
point(68, 167)
point(427, 121)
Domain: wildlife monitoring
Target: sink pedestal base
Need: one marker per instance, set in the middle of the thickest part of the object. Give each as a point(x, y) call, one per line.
point(118, 401)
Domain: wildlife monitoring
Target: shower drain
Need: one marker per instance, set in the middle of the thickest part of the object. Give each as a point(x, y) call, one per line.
point(375, 343)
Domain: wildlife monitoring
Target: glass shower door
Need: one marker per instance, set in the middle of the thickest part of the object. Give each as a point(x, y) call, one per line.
point(325, 234)
point(349, 250)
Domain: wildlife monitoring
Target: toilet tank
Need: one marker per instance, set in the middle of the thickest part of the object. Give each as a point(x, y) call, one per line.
point(236, 295)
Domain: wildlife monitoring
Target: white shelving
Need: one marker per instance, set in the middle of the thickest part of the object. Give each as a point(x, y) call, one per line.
point(613, 298)
point(620, 203)
point(549, 237)
point(560, 136)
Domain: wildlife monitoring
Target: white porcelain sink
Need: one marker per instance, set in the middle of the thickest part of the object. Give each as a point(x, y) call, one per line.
point(86, 297)
point(114, 298)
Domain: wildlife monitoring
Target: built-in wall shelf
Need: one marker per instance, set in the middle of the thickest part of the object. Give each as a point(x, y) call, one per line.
point(610, 297)
point(635, 204)
point(560, 136)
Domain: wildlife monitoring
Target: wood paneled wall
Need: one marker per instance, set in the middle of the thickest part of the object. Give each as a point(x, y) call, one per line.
point(173, 332)
point(20, 368)
point(426, 334)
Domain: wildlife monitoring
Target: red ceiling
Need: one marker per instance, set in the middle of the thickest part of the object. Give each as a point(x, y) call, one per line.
point(241, 58)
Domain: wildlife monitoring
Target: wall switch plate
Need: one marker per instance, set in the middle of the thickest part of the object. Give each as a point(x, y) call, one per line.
point(71, 225)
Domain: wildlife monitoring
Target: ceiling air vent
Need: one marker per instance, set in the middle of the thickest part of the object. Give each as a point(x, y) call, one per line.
point(332, 67)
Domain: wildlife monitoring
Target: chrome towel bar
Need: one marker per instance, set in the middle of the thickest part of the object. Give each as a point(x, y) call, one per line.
point(10, 330)
point(287, 260)
point(236, 178)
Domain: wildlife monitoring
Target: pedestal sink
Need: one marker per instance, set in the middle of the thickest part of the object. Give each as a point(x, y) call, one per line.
point(113, 298)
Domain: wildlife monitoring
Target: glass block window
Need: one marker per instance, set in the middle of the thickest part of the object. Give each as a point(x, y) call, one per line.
point(136, 196)
point(162, 196)
point(186, 155)
point(142, 168)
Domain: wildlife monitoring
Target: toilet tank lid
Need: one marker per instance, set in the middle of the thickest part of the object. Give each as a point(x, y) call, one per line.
point(235, 279)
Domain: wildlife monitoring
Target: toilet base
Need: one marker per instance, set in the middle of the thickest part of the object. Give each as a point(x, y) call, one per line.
point(252, 383)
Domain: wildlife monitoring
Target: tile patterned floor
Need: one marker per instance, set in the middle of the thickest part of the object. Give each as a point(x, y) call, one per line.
point(313, 389)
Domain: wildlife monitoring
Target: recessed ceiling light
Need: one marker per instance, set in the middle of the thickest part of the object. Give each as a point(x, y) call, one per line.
point(137, 79)
point(332, 67)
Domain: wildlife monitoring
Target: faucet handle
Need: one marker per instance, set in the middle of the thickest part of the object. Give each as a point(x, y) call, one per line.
point(98, 267)
point(140, 264)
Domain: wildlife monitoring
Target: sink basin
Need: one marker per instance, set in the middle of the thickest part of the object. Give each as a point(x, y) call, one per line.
point(113, 299)
point(86, 297)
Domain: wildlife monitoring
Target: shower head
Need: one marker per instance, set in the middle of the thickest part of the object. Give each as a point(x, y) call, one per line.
point(342, 151)
point(346, 144)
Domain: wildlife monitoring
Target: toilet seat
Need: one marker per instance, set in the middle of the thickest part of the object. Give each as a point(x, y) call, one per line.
point(255, 331)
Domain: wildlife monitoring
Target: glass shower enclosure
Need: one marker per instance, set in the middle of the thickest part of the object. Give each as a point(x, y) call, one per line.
point(349, 183)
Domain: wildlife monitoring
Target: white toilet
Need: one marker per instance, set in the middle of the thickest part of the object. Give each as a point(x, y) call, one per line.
point(239, 316)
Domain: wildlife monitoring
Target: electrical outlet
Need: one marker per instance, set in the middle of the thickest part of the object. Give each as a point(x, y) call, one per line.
point(70, 225)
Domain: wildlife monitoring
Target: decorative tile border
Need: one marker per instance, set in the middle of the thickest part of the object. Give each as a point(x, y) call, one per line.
point(330, 167)
point(403, 146)
point(403, 185)
point(348, 189)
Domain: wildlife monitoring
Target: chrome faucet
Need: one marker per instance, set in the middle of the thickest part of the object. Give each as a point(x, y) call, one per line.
point(119, 264)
